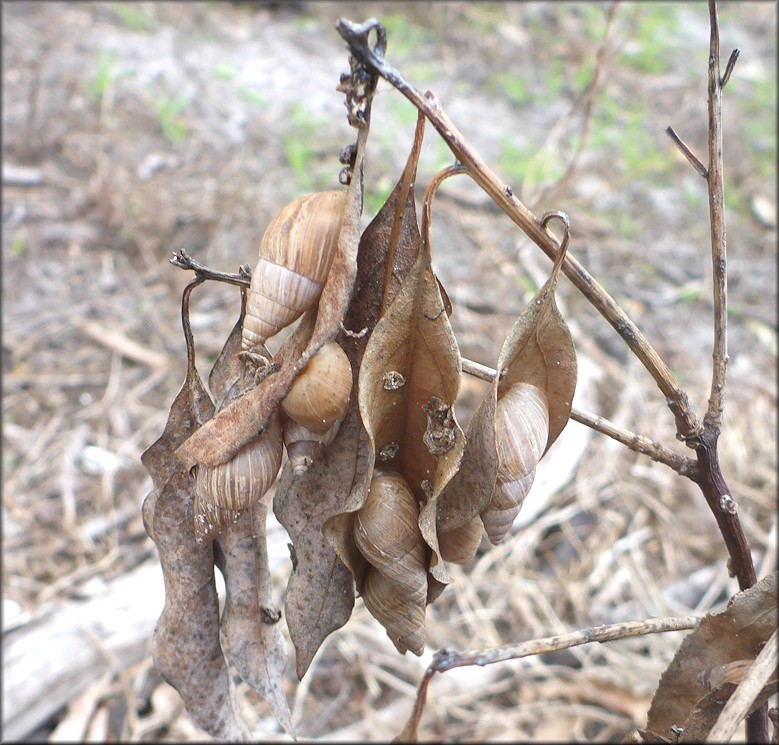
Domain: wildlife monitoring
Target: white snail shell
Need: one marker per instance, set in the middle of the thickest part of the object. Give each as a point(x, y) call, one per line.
point(386, 532)
point(319, 395)
point(243, 480)
point(522, 431)
point(296, 253)
point(305, 446)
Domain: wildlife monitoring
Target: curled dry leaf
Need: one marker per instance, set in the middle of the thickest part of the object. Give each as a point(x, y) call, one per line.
point(320, 589)
point(185, 646)
point(410, 421)
point(538, 370)
point(252, 643)
point(737, 633)
point(320, 592)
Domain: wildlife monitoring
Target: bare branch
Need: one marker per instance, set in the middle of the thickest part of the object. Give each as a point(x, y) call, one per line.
point(713, 484)
point(729, 67)
point(713, 418)
point(447, 659)
point(682, 464)
point(183, 260)
point(687, 153)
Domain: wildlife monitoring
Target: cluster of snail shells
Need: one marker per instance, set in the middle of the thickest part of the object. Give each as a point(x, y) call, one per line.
point(296, 253)
point(522, 431)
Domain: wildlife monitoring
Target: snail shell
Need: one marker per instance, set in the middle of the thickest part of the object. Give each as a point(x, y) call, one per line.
point(522, 431)
point(386, 532)
point(241, 481)
point(460, 545)
point(296, 253)
point(305, 446)
point(319, 395)
point(402, 616)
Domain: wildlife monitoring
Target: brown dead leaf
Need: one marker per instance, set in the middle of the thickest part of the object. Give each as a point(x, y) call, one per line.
point(737, 633)
point(706, 711)
point(320, 590)
point(185, 646)
point(538, 350)
point(408, 382)
point(226, 371)
point(470, 489)
point(251, 637)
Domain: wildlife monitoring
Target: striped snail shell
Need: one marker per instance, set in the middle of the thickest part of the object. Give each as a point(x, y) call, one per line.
point(394, 588)
point(243, 480)
point(319, 395)
point(296, 253)
point(521, 433)
point(305, 446)
point(460, 545)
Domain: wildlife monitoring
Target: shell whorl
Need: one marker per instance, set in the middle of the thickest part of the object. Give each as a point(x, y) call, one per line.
point(319, 395)
point(305, 446)
point(244, 479)
point(295, 256)
point(521, 433)
point(460, 545)
point(386, 532)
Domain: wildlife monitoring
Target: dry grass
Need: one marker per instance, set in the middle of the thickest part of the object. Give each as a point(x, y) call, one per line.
point(93, 353)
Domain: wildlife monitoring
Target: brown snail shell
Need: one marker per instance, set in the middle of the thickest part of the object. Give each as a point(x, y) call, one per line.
point(296, 253)
point(305, 446)
point(386, 532)
point(401, 615)
point(243, 480)
point(319, 395)
point(460, 545)
point(522, 431)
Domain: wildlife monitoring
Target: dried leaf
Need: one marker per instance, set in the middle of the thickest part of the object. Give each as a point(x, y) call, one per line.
point(185, 646)
point(706, 711)
point(538, 350)
point(470, 489)
point(227, 366)
point(737, 633)
point(251, 637)
point(408, 382)
point(322, 499)
point(320, 590)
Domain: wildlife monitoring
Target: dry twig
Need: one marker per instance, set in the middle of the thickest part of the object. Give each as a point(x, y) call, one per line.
point(447, 659)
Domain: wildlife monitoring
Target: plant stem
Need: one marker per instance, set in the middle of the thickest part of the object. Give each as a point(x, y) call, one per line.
point(713, 418)
point(447, 659)
point(712, 483)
